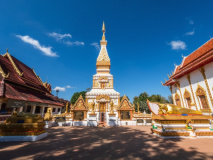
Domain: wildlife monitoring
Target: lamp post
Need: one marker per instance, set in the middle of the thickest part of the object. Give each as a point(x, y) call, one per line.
point(57, 90)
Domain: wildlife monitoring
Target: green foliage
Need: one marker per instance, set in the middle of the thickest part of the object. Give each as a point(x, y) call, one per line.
point(76, 95)
point(170, 99)
point(142, 101)
point(122, 98)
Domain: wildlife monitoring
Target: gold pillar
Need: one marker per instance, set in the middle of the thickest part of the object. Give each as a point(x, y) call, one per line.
point(189, 80)
point(171, 94)
point(202, 70)
point(178, 85)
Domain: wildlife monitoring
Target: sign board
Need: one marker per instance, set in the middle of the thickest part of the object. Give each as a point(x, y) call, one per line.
point(36, 104)
point(12, 103)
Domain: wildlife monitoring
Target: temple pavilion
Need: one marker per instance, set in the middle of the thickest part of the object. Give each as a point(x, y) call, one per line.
point(22, 90)
point(191, 83)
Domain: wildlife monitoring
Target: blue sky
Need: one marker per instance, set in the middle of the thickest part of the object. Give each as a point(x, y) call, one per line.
point(145, 38)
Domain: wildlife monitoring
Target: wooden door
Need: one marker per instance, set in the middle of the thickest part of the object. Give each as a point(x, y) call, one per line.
point(102, 107)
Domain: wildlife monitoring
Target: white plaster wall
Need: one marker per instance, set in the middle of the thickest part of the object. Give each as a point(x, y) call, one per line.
point(196, 78)
point(209, 77)
point(80, 123)
point(129, 123)
point(183, 84)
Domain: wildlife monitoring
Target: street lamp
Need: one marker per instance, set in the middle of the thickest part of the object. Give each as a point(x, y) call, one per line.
point(57, 90)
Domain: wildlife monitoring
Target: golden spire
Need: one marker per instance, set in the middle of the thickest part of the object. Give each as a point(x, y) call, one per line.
point(103, 30)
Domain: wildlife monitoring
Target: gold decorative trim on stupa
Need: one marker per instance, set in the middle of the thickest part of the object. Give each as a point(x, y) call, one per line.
point(103, 58)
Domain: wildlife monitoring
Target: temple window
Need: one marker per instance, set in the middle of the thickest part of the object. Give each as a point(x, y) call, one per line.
point(177, 100)
point(187, 97)
point(188, 100)
point(125, 115)
point(53, 109)
point(38, 109)
point(45, 109)
point(28, 109)
point(3, 108)
point(102, 85)
point(203, 102)
point(201, 94)
point(79, 115)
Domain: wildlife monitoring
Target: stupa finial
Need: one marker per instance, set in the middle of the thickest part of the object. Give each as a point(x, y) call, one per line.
point(103, 30)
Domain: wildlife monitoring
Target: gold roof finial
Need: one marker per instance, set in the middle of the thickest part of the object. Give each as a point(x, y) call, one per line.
point(103, 30)
point(7, 50)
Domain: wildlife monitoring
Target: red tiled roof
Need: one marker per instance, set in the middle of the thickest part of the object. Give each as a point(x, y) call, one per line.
point(17, 92)
point(26, 87)
point(198, 53)
point(8, 68)
point(196, 59)
point(28, 78)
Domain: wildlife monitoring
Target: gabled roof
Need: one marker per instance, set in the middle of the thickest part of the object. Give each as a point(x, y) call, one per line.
point(80, 104)
point(20, 73)
point(125, 104)
point(200, 57)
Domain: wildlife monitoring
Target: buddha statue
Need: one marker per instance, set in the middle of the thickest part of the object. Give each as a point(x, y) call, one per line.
point(173, 109)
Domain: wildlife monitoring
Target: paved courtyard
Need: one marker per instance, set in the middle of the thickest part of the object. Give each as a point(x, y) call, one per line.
point(84, 143)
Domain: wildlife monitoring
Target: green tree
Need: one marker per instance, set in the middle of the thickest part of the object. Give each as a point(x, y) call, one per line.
point(76, 95)
point(170, 99)
point(143, 96)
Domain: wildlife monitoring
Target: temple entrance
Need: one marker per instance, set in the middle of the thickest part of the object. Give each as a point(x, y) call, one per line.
point(102, 117)
point(102, 114)
point(102, 106)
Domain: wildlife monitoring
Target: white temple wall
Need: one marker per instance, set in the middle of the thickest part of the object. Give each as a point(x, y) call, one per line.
point(209, 76)
point(196, 78)
point(183, 84)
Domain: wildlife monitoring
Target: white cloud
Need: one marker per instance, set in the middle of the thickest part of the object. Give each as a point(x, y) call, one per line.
point(191, 21)
point(59, 36)
point(35, 43)
point(190, 33)
point(76, 43)
point(96, 45)
point(69, 86)
point(176, 45)
point(59, 89)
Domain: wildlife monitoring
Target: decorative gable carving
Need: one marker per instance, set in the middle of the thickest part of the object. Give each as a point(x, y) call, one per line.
point(200, 91)
point(125, 104)
point(79, 104)
point(187, 94)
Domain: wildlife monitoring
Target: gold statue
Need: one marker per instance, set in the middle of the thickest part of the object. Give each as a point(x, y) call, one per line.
point(173, 109)
point(48, 115)
point(67, 107)
point(138, 107)
point(134, 107)
point(111, 107)
point(93, 107)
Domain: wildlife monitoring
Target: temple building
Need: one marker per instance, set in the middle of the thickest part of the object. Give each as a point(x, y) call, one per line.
point(191, 84)
point(22, 90)
point(102, 106)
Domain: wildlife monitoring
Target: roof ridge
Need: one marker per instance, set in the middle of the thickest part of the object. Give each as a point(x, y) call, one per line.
point(200, 47)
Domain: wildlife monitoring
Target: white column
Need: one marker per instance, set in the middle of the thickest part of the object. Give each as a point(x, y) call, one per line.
point(33, 109)
point(21, 109)
point(42, 111)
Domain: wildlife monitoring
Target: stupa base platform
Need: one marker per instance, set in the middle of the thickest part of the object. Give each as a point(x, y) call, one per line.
point(22, 138)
